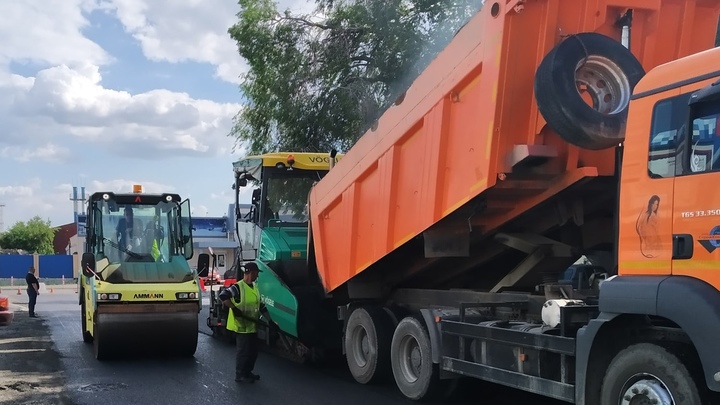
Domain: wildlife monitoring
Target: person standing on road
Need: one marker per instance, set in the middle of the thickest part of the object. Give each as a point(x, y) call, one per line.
point(243, 299)
point(33, 290)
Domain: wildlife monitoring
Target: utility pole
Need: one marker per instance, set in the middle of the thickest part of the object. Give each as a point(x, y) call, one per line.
point(2, 217)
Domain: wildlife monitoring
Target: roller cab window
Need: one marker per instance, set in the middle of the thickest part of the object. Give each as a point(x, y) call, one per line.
point(141, 239)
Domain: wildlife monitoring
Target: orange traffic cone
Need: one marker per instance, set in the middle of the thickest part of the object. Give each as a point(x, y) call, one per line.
point(19, 292)
point(51, 290)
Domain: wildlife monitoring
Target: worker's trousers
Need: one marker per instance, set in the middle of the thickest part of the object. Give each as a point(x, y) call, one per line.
point(32, 300)
point(247, 352)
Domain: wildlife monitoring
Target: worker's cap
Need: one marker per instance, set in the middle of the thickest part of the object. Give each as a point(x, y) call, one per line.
point(249, 266)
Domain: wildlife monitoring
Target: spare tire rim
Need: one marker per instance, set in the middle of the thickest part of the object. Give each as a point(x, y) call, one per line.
point(645, 389)
point(604, 82)
point(410, 358)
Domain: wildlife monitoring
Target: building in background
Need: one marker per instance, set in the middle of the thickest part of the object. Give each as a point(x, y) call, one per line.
point(63, 235)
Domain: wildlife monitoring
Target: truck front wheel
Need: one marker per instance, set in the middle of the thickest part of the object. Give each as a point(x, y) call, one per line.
point(647, 373)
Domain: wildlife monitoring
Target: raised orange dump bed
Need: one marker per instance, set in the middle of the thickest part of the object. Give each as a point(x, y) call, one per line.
point(470, 122)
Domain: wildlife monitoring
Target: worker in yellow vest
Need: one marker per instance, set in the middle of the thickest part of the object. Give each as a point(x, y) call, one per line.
point(243, 299)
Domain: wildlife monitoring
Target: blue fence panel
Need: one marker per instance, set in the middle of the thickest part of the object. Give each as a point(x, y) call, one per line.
point(55, 266)
point(15, 265)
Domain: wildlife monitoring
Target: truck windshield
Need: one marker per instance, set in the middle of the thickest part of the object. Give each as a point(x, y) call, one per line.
point(135, 232)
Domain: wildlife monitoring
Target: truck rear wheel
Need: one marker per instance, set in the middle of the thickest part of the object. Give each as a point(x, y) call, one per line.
point(367, 344)
point(415, 374)
point(596, 64)
point(647, 373)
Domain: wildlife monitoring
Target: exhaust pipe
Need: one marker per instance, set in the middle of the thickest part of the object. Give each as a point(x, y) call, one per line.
point(333, 153)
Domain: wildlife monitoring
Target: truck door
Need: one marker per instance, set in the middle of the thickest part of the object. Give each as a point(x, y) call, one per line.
point(646, 194)
point(696, 219)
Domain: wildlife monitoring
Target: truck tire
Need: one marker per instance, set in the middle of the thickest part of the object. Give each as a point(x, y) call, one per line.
point(608, 70)
point(647, 371)
point(410, 353)
point(367, 344)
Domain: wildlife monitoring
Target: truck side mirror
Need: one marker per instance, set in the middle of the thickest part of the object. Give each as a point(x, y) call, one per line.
point(203, 264)
point(87, 262)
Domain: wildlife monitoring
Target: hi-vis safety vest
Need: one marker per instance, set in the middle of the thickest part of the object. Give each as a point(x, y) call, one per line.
point(248, 303)
point(155, 251)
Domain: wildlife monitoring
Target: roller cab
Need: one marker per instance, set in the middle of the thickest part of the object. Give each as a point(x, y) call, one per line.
point(137, 291)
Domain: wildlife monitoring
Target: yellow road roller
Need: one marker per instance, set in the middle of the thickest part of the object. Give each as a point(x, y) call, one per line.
point(137, 292)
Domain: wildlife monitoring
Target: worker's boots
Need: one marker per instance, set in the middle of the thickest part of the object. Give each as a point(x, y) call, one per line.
point(251, 378)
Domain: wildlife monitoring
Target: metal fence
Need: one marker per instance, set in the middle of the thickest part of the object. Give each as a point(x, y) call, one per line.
point(48, 266)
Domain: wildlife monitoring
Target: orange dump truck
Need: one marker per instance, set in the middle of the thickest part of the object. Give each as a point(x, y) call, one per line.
point(448, 237)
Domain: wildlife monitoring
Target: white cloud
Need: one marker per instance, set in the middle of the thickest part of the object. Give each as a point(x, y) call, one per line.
point(48, 152)
point(24, 201)
point(196, 30)
point(126, 186)
point(62, 100)
point(193, 30)
point(198, 210)
point(62, 119)
point(16, 191)
point(47, 32)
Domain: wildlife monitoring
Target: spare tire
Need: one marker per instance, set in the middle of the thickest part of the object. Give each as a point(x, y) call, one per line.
point(607, 69)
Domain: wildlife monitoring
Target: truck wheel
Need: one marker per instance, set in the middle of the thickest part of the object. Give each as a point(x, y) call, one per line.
point(647, 373)
point(87, 337)
point(415, 374)
point(606, 70)
point(367, 344)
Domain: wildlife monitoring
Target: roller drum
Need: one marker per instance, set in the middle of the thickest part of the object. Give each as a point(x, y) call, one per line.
point(156, 333)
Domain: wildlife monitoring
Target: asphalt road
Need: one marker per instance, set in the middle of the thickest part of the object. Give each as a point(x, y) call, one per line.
point(208, 377)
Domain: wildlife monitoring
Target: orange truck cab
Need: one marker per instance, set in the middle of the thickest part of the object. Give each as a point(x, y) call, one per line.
point(545, 132)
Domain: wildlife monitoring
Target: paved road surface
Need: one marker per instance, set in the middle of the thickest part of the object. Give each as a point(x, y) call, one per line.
point(208, 377)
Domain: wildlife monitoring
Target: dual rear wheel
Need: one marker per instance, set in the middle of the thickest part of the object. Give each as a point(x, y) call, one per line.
point(377, 349)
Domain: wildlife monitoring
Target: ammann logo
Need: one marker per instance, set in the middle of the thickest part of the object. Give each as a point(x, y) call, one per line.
point(147, 296)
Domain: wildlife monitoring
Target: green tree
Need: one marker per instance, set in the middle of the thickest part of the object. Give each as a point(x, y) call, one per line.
point(34, 236)
point(319, 81)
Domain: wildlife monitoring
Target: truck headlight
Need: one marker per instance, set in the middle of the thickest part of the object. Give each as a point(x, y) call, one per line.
point(114, 296)
point(111, 296)
point(186, 296)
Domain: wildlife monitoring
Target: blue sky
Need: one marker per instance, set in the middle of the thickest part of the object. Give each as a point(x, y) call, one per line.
point(109, 93)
